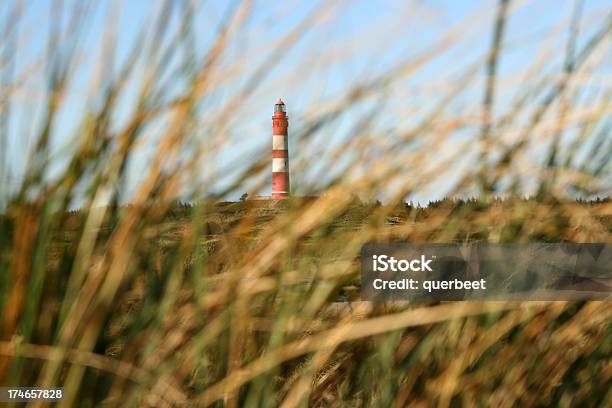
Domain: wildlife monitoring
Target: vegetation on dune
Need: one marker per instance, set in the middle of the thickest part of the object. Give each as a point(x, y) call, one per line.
point(140, 298)
point(173, 317)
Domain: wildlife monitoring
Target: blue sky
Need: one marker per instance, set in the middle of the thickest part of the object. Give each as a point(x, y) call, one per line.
point(355, 43)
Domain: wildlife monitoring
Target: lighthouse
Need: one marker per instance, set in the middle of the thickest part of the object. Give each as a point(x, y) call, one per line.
point(280, 151)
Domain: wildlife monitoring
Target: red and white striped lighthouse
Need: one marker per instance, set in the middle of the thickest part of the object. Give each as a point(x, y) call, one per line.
point(280, 151)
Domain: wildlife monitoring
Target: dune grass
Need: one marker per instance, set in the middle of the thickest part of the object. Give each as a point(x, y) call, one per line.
point(171, 295)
